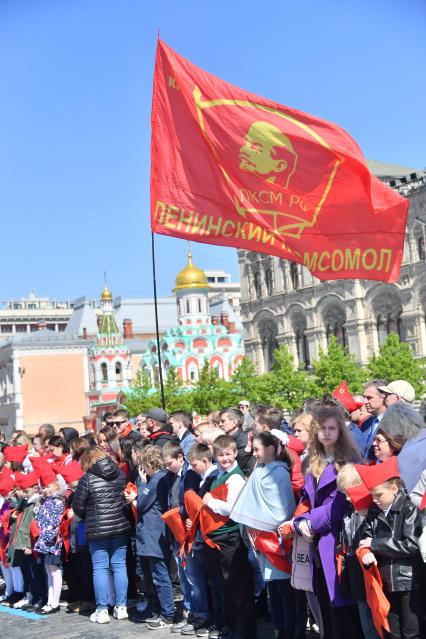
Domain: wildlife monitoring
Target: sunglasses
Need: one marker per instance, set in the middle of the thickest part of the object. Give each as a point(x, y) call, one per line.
point(124, 421)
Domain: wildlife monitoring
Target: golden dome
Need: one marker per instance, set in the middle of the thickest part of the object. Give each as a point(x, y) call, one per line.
point(190, 276)
point(106, 295)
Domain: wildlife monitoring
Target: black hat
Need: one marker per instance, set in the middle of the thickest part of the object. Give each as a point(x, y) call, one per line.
point(158, 414)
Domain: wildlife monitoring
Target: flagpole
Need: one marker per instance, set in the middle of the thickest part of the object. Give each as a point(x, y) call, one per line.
point(154, 282)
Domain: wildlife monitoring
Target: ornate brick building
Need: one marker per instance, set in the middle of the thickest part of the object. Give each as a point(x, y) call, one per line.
point(281, 302)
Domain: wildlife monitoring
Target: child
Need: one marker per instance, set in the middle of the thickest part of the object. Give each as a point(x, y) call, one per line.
point(20, 547)
point(179, 479)
point(49, 544)
point(10, 524)
point(359, 502)
point(200, 459)
point(267, 501)
point(224, 551)
point(6, 489)
point(151, 542)
point(391, 533)
point(77, 562)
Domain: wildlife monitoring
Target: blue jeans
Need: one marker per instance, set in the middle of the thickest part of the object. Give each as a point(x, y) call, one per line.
point(106, 553)
point(163, 585)
point(197, 579)
point(184, 583)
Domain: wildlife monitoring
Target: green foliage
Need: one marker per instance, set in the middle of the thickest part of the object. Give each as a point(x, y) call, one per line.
point(285, 386)
point(210, 392)
point(396, 361)
point(334, 366)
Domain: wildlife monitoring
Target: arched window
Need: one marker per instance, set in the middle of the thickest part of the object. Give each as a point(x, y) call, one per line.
point(421, 249)
point(302, 348)
point(257, 285)
point(269, 279)
point(199, 305)
point(118, 372)
point(104, 372)
point(188, 309)
point(339, 331)
point(294, 274)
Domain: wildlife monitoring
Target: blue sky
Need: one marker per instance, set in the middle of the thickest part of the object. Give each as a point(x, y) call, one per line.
point(75, 102)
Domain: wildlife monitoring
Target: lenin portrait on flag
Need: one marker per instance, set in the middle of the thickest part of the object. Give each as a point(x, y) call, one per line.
point(261, 160)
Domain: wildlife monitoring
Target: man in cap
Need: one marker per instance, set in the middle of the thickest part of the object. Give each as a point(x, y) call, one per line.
point(398, 391)
point(244, 407)
point(160, 431)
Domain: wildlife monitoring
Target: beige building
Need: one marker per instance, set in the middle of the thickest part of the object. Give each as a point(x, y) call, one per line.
point(43, 378)
point(281, 302)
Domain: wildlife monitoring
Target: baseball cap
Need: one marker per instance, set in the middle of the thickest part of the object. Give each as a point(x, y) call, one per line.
point(400, 387)
point(158, 414)
point(244, 402)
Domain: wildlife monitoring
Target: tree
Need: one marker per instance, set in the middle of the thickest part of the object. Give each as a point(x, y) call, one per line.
point(396, 361)
point(285, 386)
point(244, 381)
point(210, 392)
point(334, 366)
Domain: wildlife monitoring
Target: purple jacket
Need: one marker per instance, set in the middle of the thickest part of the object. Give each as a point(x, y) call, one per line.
point(326, 514)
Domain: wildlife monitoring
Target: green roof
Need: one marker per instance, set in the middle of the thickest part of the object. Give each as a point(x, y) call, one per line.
point(108, 325)
point(392, 171)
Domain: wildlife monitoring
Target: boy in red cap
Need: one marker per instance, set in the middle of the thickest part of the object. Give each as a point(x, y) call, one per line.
point(20, 552)
point(391, 533)
point(49, 543)
point(6, 487)
point(359, 500)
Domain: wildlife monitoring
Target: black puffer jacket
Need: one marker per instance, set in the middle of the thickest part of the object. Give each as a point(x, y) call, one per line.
point(99, 500)
point(395, 543)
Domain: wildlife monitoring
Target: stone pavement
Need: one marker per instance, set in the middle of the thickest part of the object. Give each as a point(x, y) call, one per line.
point(73, 626)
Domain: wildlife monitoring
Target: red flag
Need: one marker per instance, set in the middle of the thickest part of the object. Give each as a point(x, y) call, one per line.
point(234, 169)
point(343, 394)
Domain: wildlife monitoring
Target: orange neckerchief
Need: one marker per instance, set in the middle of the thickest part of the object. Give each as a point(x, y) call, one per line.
point(174, 521)
point(126, 431)
point(269, 545)
point(131, 488)
point(376, 599)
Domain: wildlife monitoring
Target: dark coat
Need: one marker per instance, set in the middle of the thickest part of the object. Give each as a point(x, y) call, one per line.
point(395, 543)
point(152, 502)
point(328, 506)
point(163, 435)
point(99, 500)
point(245, 460)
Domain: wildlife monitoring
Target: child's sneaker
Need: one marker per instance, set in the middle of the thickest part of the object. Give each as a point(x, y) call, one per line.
point(160, 622)
point(180, 622)
point(120, 612)
point(100, 616)
point(25, 601)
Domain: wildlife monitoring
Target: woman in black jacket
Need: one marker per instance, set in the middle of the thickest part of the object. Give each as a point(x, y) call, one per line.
point(99, 500)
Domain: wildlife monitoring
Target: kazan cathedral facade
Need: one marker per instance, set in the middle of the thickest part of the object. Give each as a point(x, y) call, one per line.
point(281, 302)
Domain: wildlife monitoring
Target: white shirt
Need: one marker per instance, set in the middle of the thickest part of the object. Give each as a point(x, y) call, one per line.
point(235, 484)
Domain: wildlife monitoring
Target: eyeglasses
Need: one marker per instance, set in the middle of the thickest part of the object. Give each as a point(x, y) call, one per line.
point(124, 421)
point(379, 442)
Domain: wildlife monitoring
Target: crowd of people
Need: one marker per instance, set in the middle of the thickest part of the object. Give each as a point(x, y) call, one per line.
point(317, 522)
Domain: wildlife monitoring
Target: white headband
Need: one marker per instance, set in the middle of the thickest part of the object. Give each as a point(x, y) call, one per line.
point(279, 434)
